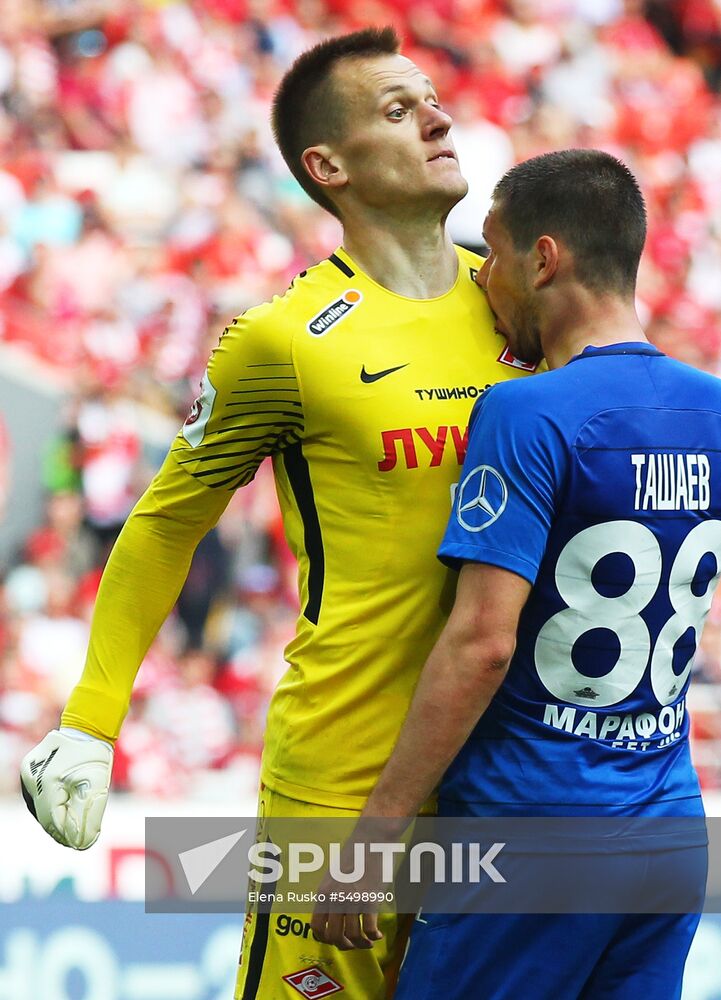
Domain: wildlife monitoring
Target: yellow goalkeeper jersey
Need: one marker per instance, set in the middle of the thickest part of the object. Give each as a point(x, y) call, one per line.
point(362, 398)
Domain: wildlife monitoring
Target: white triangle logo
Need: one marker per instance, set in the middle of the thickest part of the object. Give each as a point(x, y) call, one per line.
point(199, 863)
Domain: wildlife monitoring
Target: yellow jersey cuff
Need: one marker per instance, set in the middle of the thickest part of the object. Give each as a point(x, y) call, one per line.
point(95, 711)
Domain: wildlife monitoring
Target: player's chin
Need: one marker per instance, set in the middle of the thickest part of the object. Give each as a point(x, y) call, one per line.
point(451, 188)
point(453, 179)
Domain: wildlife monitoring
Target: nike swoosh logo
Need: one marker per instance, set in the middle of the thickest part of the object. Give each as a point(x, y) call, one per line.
point(369, 377)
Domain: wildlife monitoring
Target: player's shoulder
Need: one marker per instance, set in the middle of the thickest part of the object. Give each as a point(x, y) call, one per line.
point(536, 412)
point(695, 379)
point(521, 418)
point(520, 410)
point(314, 297)
point(327, 275)
point(311, 297)
point(522, 395)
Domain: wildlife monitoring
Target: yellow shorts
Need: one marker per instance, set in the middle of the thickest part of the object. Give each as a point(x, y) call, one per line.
point(281, 960)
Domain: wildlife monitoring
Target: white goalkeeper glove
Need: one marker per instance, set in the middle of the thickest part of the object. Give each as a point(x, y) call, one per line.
point(65, 782)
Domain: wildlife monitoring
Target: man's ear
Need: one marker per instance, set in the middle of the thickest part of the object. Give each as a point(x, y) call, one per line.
point(545, 261)
point(324, 166)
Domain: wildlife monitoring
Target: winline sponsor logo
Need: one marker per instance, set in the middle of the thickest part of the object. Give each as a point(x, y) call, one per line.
point(334, 312)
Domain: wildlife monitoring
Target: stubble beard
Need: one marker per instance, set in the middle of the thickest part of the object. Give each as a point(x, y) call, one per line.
point(527, 335)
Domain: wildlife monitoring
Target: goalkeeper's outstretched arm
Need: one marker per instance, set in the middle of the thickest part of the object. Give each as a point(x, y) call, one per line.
point(65, 779)
point(218, 450)
point(140, 585)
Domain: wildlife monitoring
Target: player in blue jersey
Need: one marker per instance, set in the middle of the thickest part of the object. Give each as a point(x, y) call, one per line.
point(587, 530)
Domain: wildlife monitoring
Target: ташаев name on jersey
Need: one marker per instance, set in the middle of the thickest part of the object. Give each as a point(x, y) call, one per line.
point(672, 482)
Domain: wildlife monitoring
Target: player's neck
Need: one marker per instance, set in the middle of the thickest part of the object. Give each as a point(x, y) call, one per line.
point(415, 259)
point(594, 322)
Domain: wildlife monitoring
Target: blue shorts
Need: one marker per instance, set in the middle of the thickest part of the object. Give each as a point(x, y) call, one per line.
point(546, 957)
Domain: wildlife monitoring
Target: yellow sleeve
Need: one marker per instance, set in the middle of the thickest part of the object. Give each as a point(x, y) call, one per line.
point(249, 408)
point(140, 584)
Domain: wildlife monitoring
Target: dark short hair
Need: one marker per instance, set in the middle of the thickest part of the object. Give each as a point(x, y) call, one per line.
point(589, 200)
point(306, 109)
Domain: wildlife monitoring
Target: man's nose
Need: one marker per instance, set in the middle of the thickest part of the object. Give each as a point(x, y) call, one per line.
point(482, 274)
point(437, 122)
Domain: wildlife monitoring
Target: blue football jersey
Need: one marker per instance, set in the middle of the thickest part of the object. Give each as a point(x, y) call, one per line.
point(599, 483)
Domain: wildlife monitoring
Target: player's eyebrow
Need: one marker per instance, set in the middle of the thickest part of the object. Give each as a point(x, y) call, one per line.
point(394, 88)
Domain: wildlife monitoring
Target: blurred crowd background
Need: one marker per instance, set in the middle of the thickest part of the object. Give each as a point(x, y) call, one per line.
point(143, 204)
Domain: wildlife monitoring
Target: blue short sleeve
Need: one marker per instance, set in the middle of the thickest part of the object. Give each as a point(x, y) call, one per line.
point(511, 478)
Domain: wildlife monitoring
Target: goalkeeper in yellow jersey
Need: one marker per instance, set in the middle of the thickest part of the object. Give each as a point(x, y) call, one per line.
point(358, 383)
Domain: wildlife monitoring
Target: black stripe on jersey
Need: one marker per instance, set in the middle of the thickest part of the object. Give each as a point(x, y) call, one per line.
point(243, 472)
point(217, 464)
point(222, 457)
point(236, 473)
point(292, 424)
point(302, 274)
point(236, 480)
point(276, 413)
point(265, 398)
point(244, 392)
point(296, 466)
point(257, 955)
point(268, 378)
point(296, 422)
point(341, 265)
point(242, 440)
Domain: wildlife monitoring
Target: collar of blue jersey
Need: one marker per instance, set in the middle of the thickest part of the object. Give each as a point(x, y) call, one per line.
point(630, 347)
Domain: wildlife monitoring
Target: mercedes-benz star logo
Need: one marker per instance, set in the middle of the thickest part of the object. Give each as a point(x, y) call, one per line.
point(481, 499)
